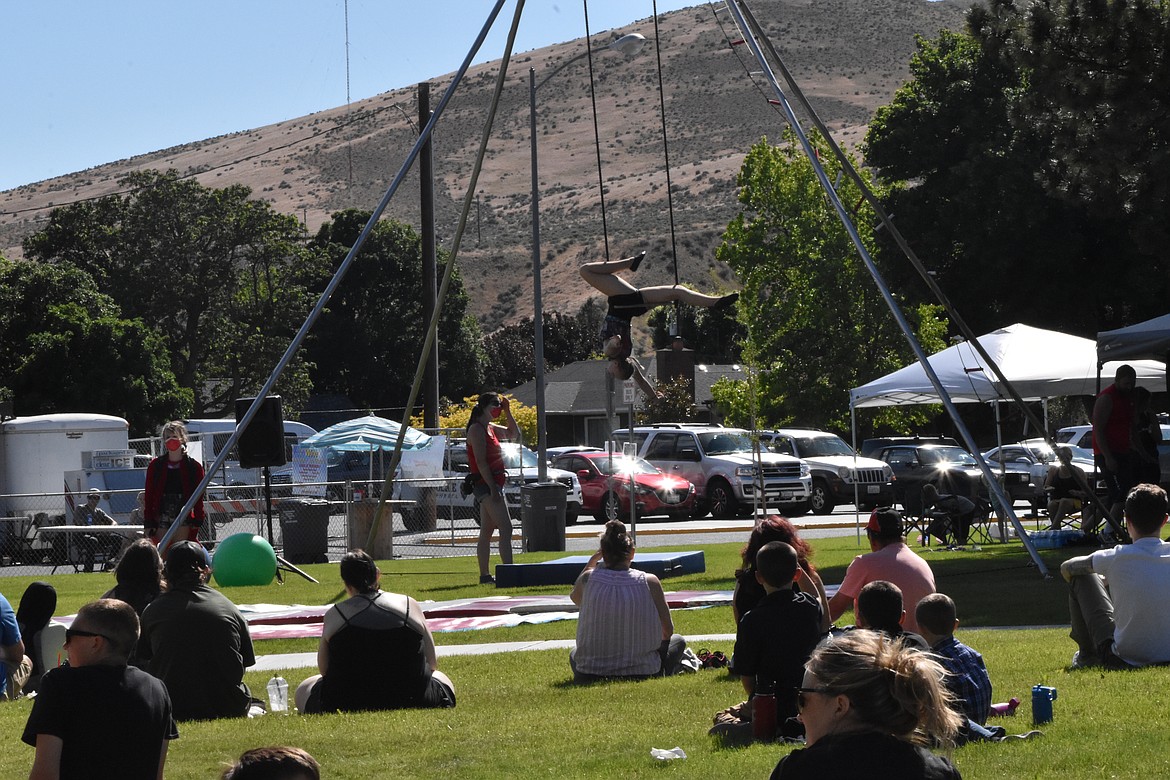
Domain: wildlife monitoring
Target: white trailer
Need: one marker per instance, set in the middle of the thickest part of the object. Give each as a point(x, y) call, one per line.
point(35, 453)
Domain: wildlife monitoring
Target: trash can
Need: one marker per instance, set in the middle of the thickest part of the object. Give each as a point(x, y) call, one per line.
point(304, 527)
point(542, 516)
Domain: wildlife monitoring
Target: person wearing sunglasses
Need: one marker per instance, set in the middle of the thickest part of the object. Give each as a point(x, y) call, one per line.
point(869, 706)
point(98, 714)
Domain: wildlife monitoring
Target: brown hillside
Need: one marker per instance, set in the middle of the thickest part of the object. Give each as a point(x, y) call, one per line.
point(848, 55)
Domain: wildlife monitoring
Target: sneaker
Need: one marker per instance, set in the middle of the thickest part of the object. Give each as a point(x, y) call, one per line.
point(1026, 736)
point(725, 301)
point(487, 579)
point(1080, 661)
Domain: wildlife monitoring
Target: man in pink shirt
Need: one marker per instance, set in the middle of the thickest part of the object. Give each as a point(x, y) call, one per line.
point(891, 560)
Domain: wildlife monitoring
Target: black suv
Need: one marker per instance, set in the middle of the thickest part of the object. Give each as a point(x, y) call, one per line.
point(948, 467)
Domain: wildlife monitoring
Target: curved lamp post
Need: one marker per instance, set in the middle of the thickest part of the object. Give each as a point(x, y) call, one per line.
point(629, 45)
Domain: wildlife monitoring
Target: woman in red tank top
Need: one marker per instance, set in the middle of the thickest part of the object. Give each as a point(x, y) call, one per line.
point(487, 466)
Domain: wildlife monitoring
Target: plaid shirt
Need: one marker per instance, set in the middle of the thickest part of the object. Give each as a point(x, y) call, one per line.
point(966, 677)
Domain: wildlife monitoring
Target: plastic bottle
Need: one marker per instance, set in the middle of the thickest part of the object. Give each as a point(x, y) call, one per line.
point(1042, 698)
point(764, 712)
point(1006, 707)
point(278, 695)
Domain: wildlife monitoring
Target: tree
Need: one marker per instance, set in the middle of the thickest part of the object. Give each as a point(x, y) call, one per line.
point(458, 416)
point(65, 347)
point(816, 321)
point(367, 344)
point(222, 278)
point(715, 335)
point(1037, 147)
point(675, 403)
point(508, 352)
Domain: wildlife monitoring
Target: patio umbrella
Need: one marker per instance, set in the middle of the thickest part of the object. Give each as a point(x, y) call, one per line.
point(363, 434)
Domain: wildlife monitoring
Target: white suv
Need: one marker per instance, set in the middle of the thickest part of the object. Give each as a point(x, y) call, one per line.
point(721, 465)
point(836, 469)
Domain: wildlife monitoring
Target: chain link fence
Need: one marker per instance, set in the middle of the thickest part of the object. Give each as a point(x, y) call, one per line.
point(36, 535)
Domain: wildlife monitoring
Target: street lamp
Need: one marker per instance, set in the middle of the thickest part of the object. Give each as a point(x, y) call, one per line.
point(629, 45)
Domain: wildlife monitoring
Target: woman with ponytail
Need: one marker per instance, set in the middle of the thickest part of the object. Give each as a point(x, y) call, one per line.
point(624, 629)
point(488, 476)
point(869, 706)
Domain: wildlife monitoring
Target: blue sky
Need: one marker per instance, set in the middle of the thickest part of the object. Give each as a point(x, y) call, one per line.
point(86, 83)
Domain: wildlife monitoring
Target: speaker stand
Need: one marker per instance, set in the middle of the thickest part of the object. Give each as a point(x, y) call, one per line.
point(268, 503)
point(281, 563)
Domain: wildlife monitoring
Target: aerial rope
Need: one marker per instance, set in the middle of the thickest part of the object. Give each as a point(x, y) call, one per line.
point(753, 36)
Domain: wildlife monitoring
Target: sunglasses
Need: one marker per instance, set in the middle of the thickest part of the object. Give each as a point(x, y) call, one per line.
point(800, 692)
point(72, 632)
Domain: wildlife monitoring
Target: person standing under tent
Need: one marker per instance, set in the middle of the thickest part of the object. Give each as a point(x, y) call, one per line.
point(1113, 423)
point(486, 459)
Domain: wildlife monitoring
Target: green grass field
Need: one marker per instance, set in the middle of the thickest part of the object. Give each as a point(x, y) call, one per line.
point(518, 716)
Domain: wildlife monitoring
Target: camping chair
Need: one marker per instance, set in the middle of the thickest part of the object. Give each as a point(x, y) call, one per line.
point(980, 532)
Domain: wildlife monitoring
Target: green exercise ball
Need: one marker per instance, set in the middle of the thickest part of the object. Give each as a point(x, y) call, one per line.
point(244, 559)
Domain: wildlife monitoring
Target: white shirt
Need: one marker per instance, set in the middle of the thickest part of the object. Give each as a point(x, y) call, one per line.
point(1138, 576)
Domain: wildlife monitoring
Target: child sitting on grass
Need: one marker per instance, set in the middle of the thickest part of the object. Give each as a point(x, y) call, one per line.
point(967, 676)
point(773, 640)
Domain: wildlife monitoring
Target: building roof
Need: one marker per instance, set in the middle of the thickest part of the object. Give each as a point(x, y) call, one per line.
point(579, 388)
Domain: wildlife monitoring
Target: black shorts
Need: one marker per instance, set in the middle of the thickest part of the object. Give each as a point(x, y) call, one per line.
point(627, 305)
point(436, 695)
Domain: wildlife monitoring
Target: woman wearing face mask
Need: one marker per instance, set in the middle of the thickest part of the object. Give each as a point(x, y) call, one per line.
point(487, 469)
point(171, 478)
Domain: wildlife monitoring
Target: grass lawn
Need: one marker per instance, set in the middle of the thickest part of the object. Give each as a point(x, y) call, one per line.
point(519, 717)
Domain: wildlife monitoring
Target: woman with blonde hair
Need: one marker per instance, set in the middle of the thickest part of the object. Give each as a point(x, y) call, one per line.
point(869, 706)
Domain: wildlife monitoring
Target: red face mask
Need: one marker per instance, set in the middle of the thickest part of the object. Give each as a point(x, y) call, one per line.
point(496, 412)
point(173, 445)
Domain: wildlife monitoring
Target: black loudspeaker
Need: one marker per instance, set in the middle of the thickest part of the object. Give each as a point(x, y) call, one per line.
point(262, 442)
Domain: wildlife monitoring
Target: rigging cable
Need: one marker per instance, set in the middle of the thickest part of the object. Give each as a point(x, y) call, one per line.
point(596, 132)
point(758, 35)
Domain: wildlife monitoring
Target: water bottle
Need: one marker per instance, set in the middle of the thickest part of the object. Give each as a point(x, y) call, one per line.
point(764, 712)
point(1006, 707)
point(278, 695)
point(1042, 698)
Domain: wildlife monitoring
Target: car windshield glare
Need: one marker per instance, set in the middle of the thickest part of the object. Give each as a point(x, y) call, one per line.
point(947, 455)
point(724, 442)
point(513, 453)
point(823, 446)
point(623, 465)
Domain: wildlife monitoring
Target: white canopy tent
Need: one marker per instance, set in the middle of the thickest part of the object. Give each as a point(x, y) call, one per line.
point(1038, 363)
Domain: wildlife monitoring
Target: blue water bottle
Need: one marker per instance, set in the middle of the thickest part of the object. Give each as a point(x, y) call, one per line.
point(1042, 698)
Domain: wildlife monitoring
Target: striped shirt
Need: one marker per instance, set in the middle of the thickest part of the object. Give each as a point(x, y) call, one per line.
point(618, 631)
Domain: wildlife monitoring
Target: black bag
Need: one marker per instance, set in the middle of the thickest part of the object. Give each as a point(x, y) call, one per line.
point(467, 485)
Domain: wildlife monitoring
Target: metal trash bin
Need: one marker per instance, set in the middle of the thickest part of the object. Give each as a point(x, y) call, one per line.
point(304, 528)
point(542, 516)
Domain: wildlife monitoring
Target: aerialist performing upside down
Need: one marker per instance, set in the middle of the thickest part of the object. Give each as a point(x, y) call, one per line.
point(626, 302)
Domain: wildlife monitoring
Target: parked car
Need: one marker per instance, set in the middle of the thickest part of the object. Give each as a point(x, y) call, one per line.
point(835, 469)
point(1020, 459)
point(721, 465)
point(520, 463)
point(605, 486)
point(949, 468)
point(871, 447)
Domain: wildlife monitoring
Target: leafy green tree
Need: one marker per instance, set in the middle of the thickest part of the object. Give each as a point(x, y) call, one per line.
point(64, 347)
point(1037, 147)
point(222, 278)
point(567, 338)
point(675, 403)
point(817, 323)
point(716, 335)
point(368, 341)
